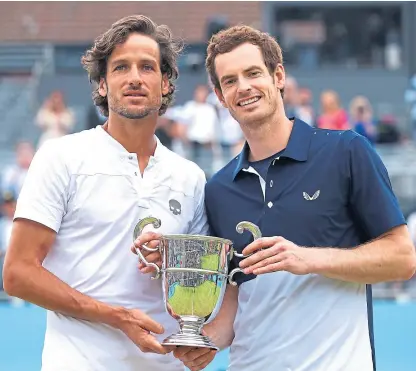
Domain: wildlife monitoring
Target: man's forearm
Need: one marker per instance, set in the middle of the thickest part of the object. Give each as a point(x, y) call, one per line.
point(39, 286)
point(389, 258)
point(221, 330)
point(220, 333)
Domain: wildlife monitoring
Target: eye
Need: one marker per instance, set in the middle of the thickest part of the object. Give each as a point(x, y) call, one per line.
point(229, 81)
point(120, 67)
point(254, 73)
point(148, 67)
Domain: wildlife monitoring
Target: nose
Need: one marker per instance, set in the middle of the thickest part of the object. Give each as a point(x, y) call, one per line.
point(135, 77)
point(243, 85)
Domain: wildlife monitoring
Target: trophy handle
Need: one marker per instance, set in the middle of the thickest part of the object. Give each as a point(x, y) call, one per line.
point(251, 227)
point(231, 275)
point(137, 232)
point(240, 228)
point(143, 259)
point(140, 226)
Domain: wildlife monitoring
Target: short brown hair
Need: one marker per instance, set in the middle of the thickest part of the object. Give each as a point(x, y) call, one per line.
point(229, 39)
point(95, 59)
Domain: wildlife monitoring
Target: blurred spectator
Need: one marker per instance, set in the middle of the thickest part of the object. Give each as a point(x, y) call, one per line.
point(305, 111)
point(229, 134)
point(8, 206)
point(298, 101)
point(291, 97)
point(411, 224)
point(388, 132)
point(13, 177)
point(333, 115)
point(177, 129)
point(361, 116)
point(200, 118)
point(54, 118)
point(15, 174)
point(95, 117)
point(164, 129)
point(9, 199)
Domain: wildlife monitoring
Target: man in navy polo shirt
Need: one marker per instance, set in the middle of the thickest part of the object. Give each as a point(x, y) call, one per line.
point(331, 225)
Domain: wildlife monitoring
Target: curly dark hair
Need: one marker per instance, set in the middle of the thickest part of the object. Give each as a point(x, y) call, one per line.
point(230, 38)
point(95, 59)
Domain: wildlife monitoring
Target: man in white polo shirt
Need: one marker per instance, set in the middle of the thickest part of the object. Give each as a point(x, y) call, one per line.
point(84, 194)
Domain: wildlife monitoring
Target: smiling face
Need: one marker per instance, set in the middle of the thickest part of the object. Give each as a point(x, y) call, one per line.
point(248, 89)
point(134, 84)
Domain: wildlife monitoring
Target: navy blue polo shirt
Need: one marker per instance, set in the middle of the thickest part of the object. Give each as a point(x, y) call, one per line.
point(325, 189)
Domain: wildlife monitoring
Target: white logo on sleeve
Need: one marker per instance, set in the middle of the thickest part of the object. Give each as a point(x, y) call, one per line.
point(311, 198)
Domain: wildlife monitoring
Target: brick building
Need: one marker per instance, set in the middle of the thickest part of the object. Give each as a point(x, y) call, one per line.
point(72, 22)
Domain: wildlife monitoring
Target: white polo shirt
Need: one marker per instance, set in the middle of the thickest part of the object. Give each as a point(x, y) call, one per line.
point(89, 190)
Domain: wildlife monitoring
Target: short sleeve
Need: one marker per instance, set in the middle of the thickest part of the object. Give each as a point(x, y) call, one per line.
point(43, 197)
point(371, 198)
point(199, 224)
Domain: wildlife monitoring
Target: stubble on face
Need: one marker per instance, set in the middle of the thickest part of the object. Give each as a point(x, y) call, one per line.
point(115, 105)
point(263, 118)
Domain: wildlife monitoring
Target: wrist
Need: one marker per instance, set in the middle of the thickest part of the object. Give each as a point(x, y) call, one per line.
point(323, 261)
point(116, 317)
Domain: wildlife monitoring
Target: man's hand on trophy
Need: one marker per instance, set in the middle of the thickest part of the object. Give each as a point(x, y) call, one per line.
point(195, 358)
point(273, 254)
point(139, 327)
point(151, 239)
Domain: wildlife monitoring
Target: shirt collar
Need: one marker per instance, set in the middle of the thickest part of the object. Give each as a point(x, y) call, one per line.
point(297, 148)
point(160, 150)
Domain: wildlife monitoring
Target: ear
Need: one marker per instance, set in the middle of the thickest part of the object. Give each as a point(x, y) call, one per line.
point(280, 77)
point(165, 85)
point(102, 87)
point(220, 97)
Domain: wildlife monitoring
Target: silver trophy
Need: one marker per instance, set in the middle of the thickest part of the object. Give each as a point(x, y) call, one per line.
point(194, 277)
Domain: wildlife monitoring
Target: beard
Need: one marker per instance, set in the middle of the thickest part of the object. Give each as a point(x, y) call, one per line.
point(132, 113)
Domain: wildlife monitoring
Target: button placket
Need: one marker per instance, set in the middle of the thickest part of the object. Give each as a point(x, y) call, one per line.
point(271, 183)
point(132, 160)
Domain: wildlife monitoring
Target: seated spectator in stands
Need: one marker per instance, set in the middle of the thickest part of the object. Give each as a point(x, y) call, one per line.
point(333, 116)
point(305, 111)
point(164, 131)
point(361, 116)
point(388, 132)
point(8, 206)
point(14, 175)
point(291, 97)
point(9, 199)
point(54, 118)
point(411, 224)
point(95, 117)
point(177, 129)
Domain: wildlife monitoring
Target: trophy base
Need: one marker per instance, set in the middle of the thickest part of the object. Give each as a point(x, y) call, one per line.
point(189, 340)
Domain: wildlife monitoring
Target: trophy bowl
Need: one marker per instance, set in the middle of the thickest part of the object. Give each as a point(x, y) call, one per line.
point(194, 276)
